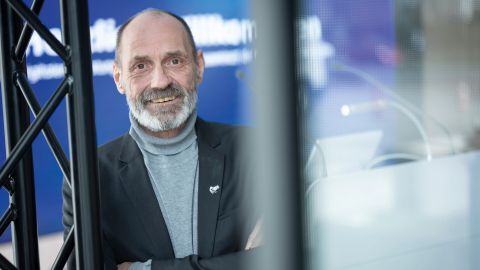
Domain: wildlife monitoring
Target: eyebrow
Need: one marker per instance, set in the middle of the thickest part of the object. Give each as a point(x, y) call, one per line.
point(138, 58)
point(177, 53)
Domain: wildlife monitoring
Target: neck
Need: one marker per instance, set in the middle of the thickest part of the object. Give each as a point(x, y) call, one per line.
point(165, 142)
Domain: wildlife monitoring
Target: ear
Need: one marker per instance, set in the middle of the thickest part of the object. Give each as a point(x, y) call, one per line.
point(117, 77)
point(200, 66)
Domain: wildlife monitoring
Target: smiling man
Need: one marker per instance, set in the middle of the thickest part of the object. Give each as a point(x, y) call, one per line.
point(158, 71)
point(174, 189)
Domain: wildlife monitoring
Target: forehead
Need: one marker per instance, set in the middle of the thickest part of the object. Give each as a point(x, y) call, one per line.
point(153, 33)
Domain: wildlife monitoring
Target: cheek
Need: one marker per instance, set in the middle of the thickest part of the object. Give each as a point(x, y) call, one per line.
point(186, 80)
point(135, 87)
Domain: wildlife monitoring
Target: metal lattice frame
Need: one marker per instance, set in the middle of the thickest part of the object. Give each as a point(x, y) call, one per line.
point(16, 175)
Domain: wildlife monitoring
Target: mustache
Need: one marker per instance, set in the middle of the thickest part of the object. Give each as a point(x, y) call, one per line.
point(156, 93)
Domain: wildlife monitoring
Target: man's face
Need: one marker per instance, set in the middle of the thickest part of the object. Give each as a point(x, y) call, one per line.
point(157, 72)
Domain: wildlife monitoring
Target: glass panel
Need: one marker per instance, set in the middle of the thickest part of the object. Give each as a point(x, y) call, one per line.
point(391, 93)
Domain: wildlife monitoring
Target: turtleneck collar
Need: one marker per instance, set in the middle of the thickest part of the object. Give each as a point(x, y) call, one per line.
point(162, 146)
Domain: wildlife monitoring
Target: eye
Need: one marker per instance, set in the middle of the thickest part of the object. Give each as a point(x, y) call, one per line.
point(140, 67)
point(175, 61)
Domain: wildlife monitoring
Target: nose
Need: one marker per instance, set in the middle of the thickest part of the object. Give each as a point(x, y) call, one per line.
point(160, 78)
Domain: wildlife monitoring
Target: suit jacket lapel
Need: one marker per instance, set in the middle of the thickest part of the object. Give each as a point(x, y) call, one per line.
point(134, 177)
point(211, 168)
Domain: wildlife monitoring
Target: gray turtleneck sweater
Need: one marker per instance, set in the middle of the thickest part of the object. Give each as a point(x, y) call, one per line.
point(172, 165)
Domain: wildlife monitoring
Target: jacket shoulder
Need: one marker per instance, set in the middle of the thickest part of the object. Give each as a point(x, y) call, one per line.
point(111, 150)
point(220, 133)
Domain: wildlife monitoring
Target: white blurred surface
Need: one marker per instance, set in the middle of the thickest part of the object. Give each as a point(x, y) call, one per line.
point(418, 215)
point(349, 153)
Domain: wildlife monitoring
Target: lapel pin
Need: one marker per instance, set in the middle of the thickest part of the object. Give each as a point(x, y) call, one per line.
point(214, 189)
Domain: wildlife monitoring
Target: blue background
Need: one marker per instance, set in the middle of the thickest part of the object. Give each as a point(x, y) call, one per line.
point(223, 96)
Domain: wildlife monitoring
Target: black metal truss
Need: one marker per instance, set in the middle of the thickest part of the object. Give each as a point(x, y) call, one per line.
point(16, 175)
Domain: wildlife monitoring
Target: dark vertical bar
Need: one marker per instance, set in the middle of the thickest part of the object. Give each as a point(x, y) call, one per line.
point(71, 262)
point(88, 251)
point(16, 121)
point(276, 134)
point(276, 140)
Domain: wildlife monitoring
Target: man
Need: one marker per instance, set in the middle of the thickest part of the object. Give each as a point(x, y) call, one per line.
point(174, 189)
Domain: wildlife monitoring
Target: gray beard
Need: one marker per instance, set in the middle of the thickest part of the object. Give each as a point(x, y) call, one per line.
point(163, 120)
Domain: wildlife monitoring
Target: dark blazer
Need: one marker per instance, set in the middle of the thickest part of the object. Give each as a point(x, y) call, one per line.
point(132, 223)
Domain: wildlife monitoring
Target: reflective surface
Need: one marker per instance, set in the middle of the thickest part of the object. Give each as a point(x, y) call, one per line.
point(390, 97)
